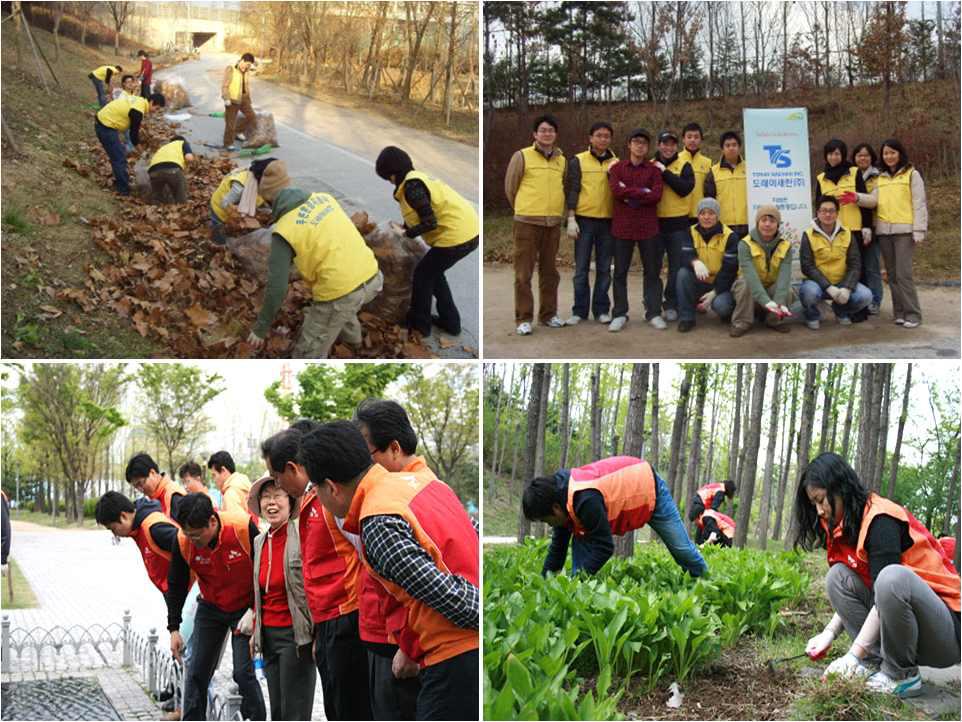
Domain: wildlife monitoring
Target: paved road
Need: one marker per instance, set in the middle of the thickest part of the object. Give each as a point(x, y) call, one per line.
point(333, 149)
point(877, 338)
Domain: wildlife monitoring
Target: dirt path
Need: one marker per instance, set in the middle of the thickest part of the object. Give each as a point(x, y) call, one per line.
point(877, 338)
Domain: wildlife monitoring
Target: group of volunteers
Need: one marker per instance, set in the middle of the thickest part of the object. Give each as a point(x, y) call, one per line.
point(893, 586)
point(348, 557)
point(680, 204)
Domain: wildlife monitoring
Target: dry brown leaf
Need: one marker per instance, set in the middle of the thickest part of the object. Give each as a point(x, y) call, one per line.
point(50, 312)
point(199, 316)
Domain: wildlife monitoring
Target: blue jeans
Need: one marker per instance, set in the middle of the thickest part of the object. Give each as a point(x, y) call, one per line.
point(110, 140)
point(101, 91)
point(811, 293)
point(217, 229)
point(667, 523)
point(690, 289)
point(673, 242)
point(872, 270)
point(595, 236)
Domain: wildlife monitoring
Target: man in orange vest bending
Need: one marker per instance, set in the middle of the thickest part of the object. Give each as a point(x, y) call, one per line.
point(710, 497)
point(145, 476)
point(596, 501)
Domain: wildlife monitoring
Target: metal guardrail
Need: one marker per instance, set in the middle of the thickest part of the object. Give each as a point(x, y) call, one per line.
point(157, 669)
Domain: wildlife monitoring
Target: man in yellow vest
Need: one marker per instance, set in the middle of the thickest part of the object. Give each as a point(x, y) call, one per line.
point(590, 207)
point(114, 119)
point(236, 92)
point(726, 182)
point(229, 193)
point(534, 185)
point(709, 265)
point(166, 171)
point(832, 264)
point(101, 78)
point(678, 180)
point(446, 221)
point(692, 136)
point(764, 287)
point(313, 232)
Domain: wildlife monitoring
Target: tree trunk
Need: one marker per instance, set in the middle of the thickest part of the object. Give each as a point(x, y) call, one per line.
point(772, 431)
point(531, 442)
point(655, 411)
point(746, 490)
point(804, 438)
point(517, 430)
point(734, 445)
point(596, 411)
point(614, 421)
point(449, 68)
point(538, 527)
point(953, 506)
point(746, 410)
point(883, 428)
point(565, 413)
point(694, 456)
point(847, 434)
point(710, 463)
point(677, 439)
point(786, 460)
point(826, 407)
point(500, 441)
point(896, 455)
point(634, 438)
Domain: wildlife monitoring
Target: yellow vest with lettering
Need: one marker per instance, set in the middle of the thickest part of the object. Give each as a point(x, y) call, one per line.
point(241, 175)
point(172, 152)
point(116, 113)
point(830, 257)
point(595, 199)
point(101, 72)
point(849, 214)
point(712, 251)
point(731, 192)
point(895, 198)
point(700, 164)
point(235, 89)
point(457, 219)
point(541, 192)
point(768, 272)
point(671, 204)
point(329, 251)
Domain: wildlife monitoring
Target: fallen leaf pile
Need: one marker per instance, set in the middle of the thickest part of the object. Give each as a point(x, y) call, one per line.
point(177, 287)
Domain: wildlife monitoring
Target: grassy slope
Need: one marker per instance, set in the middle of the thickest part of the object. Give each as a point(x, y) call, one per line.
point(44, 519)
point(23, 596)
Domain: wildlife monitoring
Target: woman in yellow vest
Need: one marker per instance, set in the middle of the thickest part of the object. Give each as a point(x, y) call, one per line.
point(166, 171)
point(892, 585)
point(678, 179)
point(235, 90)
point(901, 222)
point(842, 180)
point(865, 159)
point(764, 288)
point(229, 193)
point(312, 232)
point(114, 119)
point(446, 221)
point(832, 265)
point(101, 78)
point(726, 182)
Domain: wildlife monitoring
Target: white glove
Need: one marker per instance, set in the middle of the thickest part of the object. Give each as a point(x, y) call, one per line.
point(820, 643)
point(704, 303)
point(866, 236)
point(701, 270)
point(847, 667)
point(918, 236)
point(784, 311)
point(832, 291)
point(841, 298)
point(772, 307)
point(712, 537)
point(573, 229)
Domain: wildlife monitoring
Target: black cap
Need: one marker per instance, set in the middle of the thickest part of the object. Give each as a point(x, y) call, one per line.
point(665, 135)
point(640, 133)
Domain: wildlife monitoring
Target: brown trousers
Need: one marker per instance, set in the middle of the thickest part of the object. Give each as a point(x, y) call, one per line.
point(746, 309)
point(231, 129)
point(536, 245)
point(897, 252)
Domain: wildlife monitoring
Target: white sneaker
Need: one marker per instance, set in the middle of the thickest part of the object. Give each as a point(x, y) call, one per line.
point(555, 322)
point(671, 314)
point(604, 318)
point(908, 687)
point(814, 325)
point(574, 321)
point(658, 322)
point(844, 321)
point(617, 324)
point(524, 329)
point(899, 321)
point(910, 324)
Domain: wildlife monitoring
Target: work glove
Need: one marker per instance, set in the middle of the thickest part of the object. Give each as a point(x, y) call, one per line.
point(918, 237)
point(848, 198)
point(848, 666)
point(784, 311)
point(712, 537)
point(866, 236)
point(832, 291)
point(573, 229)
point(254, 340)
point(841, 298)
point(704, 303)
point(819, 644)
point(701, 270)
point(773, 307)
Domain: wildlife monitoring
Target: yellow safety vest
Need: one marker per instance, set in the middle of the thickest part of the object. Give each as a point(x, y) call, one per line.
point(329, 251)
point(895, 198)
point(116, 113)
point(595, 199)
point(235, 89)
point(172, 152)
point(830, 256)
point(671, 204)
point(700, 164)
point(731, 193)
point(712, 251)
point(101, 72)
point(541, 192)
point(457, 219)
point(871, 184)
point(241, 175)
point(768, 271)
point(849, 214)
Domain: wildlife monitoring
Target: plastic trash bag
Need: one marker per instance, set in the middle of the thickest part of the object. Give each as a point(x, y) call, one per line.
point(397, 256)
point(174, 91)
point(262, 131)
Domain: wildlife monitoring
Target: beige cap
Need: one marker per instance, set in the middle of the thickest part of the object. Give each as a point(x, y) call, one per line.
point(273, 180)
point(766, 210)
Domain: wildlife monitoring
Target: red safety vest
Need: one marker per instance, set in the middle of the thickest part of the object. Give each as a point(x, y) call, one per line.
point(707, 493)
point(330, 562)
point(444, 531)
point(724, 522)
point(226, 572)
point(629, 493)
point(156, 560)
point(165, 494)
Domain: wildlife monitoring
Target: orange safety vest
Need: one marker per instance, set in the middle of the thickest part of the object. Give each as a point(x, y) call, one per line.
point(226, 572)
point(330, 562)
point(156, 560)
point(724, 522)
point(444, 531)
point(926, 557)
point(165, 494)
point(707, 493)
point(838, 551)
point(629, 495)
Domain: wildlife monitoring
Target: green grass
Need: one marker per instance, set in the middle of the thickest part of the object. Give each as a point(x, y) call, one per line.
point(23, 596)
point(500, 511)
point(15, 221)
point(848, 699)
point(43, 519)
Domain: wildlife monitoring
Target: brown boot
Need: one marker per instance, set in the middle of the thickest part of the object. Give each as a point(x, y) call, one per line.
point(738, 331)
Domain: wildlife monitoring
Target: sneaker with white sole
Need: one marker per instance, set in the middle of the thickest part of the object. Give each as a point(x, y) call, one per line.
point(617, 324)
point(658, 322)
point(814, 325)
point(899, 321)
point(524, 329)
point(908, 687)
point(574, 321)
point(911, 324)
point(844, 321)
point(670, 314)
point(554, 322)
point(604, 318)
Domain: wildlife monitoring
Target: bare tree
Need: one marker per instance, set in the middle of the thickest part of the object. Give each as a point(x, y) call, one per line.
point(805, 435)
point(119, 13)
point(415, 28)
point(786, 459)
point(896, 454)
point(772, 432)
point(746, 489)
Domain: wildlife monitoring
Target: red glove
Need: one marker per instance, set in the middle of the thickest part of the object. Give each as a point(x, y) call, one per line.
point(848, 197)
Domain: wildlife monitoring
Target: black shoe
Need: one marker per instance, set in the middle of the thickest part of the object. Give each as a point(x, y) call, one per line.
point(165, 695)
point(447, 328)
point(685, 326)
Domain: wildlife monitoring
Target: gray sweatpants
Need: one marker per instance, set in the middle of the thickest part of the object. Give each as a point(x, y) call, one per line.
point(916, 625)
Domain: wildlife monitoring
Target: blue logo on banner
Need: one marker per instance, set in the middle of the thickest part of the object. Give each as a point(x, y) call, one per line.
point(778, 156)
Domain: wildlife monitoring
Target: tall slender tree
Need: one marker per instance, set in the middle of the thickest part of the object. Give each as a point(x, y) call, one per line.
point(896, 454)
point(634, 438)
point(678, 427)
point(565, 413)
point(531, 444)
point(809, 401)
point(786, 458)
point(747, 488)
point(772, 432)
point(694, 457)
